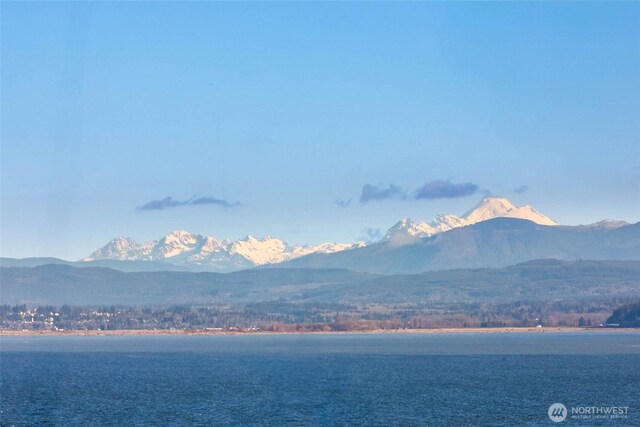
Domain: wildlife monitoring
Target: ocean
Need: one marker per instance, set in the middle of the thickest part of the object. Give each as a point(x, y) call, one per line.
point(502, 379)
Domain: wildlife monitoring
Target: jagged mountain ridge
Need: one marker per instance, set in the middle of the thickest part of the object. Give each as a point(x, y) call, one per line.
point(183, 248)
point(488, 208)
point(493, 243)
point(206, 253)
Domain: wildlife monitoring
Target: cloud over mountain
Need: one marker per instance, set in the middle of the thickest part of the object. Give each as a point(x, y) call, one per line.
point(169, 202)
point(211, 201)
point(441, 189)
point(379, 192)
point(156, 205)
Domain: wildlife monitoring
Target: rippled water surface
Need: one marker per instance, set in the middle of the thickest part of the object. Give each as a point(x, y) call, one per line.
point(351, 379)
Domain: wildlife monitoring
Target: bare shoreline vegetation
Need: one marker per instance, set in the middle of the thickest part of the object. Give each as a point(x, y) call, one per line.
point(162, 332)
point(291, 317)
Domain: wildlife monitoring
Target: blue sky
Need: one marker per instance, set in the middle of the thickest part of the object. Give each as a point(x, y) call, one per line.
point(256, 118)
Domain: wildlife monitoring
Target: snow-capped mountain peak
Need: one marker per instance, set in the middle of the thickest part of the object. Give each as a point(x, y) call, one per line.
point(122, 242)
point(175, 243)
point(488, 208)
point(120, 248)
point(407, 227)
point(180, 235)
point(181, 247)
point(445, 222)
point(115, 249)
point(260, 251)
point(493, 207)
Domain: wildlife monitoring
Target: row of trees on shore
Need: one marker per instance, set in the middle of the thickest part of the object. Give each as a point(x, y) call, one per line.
point(290, 317)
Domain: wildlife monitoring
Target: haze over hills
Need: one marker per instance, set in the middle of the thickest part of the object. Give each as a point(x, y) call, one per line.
point(125, 266)
point(533, 281)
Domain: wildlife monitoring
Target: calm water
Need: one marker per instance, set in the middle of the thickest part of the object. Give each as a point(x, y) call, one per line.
point(463, 379)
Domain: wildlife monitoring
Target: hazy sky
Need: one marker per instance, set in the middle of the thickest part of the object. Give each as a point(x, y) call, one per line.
point(309, 121)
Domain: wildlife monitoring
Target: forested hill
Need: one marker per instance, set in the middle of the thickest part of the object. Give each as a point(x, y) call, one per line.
point(542, 280)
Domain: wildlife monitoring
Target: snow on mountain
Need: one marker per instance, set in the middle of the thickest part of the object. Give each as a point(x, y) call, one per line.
point(407, 227)
point(175, 243)
point(206, 249)
point(273, 251)
point(491, 207)
point(123, 249)
point(261, 251)
point(607, 224)
point(443, 222)
point(488, 208)
point(323, 248)
point(205, 252)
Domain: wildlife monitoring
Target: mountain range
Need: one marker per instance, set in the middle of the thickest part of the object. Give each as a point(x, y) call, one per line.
point(493, 243)
point(488, 208)
point(189, 251)
point(495, 233)
point(196, 252)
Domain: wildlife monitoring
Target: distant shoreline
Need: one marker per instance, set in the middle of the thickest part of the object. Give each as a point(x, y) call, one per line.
point(139, 332)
